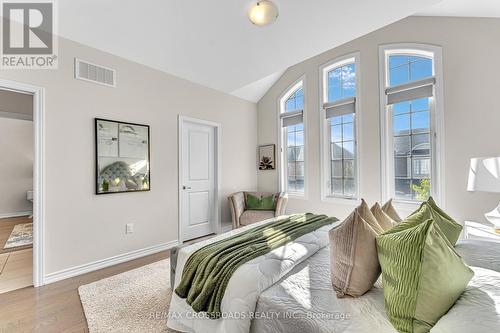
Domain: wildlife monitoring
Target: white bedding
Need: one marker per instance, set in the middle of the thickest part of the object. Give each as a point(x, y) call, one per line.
point(306, 294)
point(480, 253)
point(290, 291)
point(246, 284)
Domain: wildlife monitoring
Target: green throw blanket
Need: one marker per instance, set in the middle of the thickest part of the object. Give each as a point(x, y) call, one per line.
point(208, 270)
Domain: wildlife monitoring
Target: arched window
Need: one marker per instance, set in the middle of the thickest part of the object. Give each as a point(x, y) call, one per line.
point(339, 112)
point(411, 117)
point(292, 144)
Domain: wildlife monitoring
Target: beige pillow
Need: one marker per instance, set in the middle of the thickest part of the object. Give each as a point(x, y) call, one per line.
point(354, 265)
point(367, 215)
point(389, 209)
point(383, 219)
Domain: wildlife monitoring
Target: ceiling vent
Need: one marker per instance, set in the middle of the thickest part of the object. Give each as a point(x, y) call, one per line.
point(87, 71)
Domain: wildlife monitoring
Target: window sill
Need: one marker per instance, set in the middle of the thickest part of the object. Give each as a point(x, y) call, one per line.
point(405, 207)
point(300, 196)
point(341, 200)
point(407, 203)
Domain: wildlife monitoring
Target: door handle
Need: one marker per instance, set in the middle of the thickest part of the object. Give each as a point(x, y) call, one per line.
point(186, 187)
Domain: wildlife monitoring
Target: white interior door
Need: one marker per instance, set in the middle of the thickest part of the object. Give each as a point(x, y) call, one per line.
point(198, 162)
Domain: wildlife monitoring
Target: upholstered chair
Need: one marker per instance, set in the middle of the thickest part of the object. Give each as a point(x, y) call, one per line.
point(241, 216)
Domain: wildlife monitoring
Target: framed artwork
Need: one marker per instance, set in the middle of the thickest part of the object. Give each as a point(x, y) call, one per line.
point(267, 157)
point(122, 157)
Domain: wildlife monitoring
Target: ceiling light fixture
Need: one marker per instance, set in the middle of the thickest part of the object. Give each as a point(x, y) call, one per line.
point(263, 13)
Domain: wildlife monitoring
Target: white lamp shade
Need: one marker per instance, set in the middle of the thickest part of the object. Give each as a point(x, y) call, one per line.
point(484, 174)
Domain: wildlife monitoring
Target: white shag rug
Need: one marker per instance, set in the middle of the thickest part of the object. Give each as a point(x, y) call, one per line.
point(133, 301)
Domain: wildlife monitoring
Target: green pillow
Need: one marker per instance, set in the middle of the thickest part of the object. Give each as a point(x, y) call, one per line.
point(423, 275)
point(429, 210)
point(264, 203)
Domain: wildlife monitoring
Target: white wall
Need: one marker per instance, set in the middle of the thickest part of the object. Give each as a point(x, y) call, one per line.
point(16, 165)
point(472, 115)
point(81, 227)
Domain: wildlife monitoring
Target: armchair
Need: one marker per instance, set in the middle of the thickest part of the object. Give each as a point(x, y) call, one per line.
point(241, 216)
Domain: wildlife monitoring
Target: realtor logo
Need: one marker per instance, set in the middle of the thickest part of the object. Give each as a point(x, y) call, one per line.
point(28, 35)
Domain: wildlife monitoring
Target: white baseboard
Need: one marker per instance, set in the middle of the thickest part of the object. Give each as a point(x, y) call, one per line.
point(15, 214)
point(103, 263)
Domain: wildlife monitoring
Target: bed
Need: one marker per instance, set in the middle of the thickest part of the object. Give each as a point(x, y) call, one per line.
point(289, 290)
point(307, 292)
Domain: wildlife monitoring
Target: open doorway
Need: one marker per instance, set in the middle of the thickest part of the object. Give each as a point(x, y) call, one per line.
point(37, 114)
point(16, 190)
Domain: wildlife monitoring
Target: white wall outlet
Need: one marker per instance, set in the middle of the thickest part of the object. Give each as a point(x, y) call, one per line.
point(129, 228)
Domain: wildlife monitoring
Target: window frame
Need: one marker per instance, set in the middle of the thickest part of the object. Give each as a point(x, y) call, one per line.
point(324, 69)
point(436, 108)
point(283, 139)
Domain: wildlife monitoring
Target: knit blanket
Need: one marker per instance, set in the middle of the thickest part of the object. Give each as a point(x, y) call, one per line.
point(208, 270)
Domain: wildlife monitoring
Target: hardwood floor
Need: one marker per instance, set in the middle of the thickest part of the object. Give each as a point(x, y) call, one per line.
point(16, 264)
point(17, 270)
point(6, 226)
point(56, 307)
point(3, 261)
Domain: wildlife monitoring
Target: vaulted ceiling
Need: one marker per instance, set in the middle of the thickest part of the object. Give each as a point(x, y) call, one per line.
point(471, 8)
point(214, 44)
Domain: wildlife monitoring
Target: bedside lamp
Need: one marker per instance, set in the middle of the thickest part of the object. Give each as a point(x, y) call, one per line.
point(484, 176)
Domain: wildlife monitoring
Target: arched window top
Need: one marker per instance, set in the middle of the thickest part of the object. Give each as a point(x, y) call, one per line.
point(341, 80)
point(408, 65)
point(295, 100)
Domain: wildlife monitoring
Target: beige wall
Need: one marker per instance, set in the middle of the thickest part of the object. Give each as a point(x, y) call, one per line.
point(81, 227)
point(472, 116)
point(16, 105)
point(16, 165)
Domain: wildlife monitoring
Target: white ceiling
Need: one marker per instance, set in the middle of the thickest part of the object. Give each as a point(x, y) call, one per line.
point(472, 8)
point(214, 44)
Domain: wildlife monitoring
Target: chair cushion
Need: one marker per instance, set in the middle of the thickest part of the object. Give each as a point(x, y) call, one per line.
point(423, 275)
point(252, 216)
point(354, 266)
point(259, 195)
point(262, 203)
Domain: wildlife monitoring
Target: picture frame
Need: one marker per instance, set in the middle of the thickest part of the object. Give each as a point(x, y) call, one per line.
point(122, 157)
point(267, 157)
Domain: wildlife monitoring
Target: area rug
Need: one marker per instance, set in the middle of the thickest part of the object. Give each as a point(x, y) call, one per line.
point(21, 235)
point(134, 301)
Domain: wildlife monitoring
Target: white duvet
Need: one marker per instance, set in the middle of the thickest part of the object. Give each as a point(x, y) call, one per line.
point(246, 284)
point(306, 292)
point(289, 290)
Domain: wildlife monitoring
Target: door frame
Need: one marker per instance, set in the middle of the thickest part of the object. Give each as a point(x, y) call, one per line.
point(217, 182)
point(38, 94)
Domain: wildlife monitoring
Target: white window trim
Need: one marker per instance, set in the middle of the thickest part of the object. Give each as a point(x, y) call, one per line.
point(281, 164)
point(436, 123)
point(324, 147)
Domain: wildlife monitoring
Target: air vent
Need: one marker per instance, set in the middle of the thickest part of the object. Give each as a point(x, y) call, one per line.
point(87, 71)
